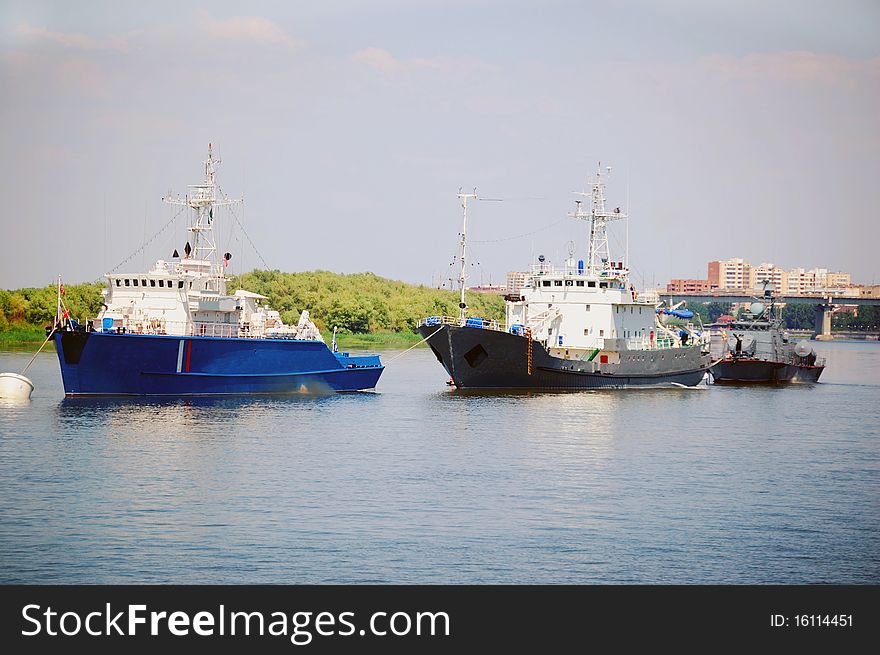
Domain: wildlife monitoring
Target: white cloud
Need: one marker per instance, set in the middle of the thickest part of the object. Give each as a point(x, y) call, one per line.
point(73, 40)
point(253, 28)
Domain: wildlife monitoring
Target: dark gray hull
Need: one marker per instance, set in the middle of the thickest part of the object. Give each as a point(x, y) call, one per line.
point(488, 359)
point(759, 371)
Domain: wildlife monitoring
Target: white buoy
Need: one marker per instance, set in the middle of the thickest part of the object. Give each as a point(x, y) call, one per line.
point(15, 386)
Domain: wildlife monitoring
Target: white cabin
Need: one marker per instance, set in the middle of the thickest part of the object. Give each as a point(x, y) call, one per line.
point(189, 297)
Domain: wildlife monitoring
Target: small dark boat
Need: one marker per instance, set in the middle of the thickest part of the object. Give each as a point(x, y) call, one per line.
point(757, 350)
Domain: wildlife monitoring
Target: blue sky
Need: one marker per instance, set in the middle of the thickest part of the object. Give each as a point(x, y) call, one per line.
point(735, 129)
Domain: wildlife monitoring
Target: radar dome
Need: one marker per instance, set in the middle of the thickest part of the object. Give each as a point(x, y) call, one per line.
point(802, 349)
point(757, 309)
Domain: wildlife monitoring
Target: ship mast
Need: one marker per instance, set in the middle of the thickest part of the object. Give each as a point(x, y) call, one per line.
point(599, 256)
point(462, 306)
point(202, 199)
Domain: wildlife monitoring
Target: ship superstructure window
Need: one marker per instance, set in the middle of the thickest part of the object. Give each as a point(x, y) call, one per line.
point(162, 283)
point(127, 283)
point(118, 282)
point(580, 283)
point(135, 282)
point(603, 285)
point(557, 283)
point(601, 333)
point(144, 282)
point(591, 284)
point(587, 307)
point(569, 283)
point(180, 284)
point(152, 283)
point(545, 283)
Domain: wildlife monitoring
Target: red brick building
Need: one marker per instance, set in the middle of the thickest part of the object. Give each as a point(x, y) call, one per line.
point(688, 286)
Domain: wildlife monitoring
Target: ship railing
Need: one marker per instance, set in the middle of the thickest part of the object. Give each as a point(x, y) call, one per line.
point(470, 321)
point(645, 343)
point(187, 329)
point(616, 273)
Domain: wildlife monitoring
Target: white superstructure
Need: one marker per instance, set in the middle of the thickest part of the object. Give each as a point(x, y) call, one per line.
point(589, 305)
point(189, 296)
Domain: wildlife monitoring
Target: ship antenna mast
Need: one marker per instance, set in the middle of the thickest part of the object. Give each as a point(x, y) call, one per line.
point(462, 306)
point(599, 256)
point(202, 199)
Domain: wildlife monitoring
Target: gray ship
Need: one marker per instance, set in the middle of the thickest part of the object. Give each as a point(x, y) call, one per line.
point(757, 350)
point(580, 326)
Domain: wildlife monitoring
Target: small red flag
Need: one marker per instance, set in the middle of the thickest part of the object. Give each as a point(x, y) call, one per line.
point(62, 289)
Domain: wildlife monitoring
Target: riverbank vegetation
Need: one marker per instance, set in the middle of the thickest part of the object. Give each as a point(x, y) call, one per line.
point(367, 309)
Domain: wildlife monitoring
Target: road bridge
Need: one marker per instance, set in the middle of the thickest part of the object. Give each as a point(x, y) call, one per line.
point(824, 304)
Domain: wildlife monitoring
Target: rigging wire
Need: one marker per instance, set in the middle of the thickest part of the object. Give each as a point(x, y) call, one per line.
point(247, 236)
point(519, 236)
point(145, 244)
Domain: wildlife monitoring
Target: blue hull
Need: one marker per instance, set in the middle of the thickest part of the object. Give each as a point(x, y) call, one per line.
point(110, 364)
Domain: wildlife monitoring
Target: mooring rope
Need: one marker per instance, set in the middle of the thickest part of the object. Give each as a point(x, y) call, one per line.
point(398, 355)
point(24, 370)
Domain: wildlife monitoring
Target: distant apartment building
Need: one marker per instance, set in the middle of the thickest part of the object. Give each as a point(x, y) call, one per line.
point(729, 274)
point(778, 278)
point(836, 280)
point(738, 274)
point(801, 281)
point(516, 280)
point(688, 286)
point(871, 291)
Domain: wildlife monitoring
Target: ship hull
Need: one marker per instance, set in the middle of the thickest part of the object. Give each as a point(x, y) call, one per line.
point(110, 364)
point(489, 359)
point(759, 371)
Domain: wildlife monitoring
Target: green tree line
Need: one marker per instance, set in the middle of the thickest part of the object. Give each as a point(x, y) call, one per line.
point(34, 307)
point(361, 302)
point(358, 303)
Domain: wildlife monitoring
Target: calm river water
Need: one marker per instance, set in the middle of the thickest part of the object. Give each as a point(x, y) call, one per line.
point(417, 483)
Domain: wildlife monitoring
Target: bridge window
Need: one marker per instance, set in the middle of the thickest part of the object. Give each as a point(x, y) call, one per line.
point(162, 283)
point(135, 282)
point(144, 283)
point(118, 282)
point(127, 282)
point(152, 283)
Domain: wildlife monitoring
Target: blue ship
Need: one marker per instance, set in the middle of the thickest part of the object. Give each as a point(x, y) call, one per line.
point(176, 331)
